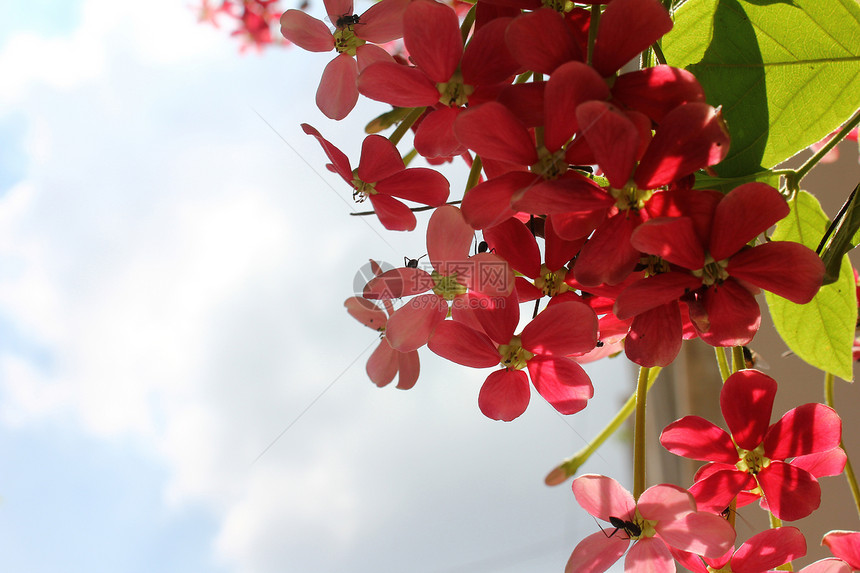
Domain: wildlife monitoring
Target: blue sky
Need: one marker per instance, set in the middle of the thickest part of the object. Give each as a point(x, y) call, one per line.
point(172, 276)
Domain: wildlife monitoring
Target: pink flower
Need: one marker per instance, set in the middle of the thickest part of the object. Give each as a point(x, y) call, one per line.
point(337, 93)
point(665, 516)
point(453, 275)
point(381, 176)
point(385, 362)
point(844, 545)
point(754, 455)
point(541, 348)
point(758, 554)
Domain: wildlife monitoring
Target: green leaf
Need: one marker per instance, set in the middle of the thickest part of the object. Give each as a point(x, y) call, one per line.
point(822, 331)
point(786, 72)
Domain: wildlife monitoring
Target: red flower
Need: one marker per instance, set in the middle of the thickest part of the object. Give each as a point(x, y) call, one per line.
point(715, 272)
point(337, 93)
point(541, 347)
point(844, 545)
point(381, 176)
point(758, 554)
point(754, 455)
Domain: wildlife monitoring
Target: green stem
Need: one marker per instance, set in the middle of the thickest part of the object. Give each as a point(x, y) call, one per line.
point(407, 159)
point(812, 161)
point(639, 434)
point(406, 124)
point(474, 173)
point(658, 53)
point(738, 360)
point(571, 465)
point(592, 32)
point(850, 476)
point(722, 362)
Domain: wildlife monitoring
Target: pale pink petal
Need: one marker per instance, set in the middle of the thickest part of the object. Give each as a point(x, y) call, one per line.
point(366, 312)
point(702, 533)
point(603, 497)
point(829, 565)
point(337, 94)
point(845, 545)
point(596, 553)
point(370, 54)
point(337, 8)
point(398, 283)
point(665, 502)
point(504, 395)
point(649, 555)
point(410, 327)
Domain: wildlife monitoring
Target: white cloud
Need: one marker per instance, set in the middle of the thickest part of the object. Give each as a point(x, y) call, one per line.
point(184, 271)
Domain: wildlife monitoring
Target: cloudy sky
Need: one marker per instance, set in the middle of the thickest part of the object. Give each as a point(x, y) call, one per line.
point(173, 264)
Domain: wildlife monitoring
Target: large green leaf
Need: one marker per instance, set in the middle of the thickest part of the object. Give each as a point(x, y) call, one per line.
point(787, 72)
point(822, 331)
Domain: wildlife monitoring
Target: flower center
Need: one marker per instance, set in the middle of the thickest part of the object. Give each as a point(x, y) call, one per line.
point(447, 286)
point(454, 93)
point(654, 265)
point(562, 6)
point(630, 197)
point(345, 40)
point(714, 272)
point(752, 461)
point(513, 355)
point(551, 283)
point(549, 165)
point(361, 189)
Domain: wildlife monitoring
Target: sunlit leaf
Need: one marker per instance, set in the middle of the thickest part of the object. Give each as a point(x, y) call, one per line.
point(822, 331)
point(786, 72)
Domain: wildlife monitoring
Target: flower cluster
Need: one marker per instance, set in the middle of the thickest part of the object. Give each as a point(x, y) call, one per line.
point(585, 202)
point(253, 20)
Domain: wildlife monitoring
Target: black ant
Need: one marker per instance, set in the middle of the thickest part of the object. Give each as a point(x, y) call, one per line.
point(412, 263)
point(347, 21)
point(483, 247)
point(599, 344)
point(631, 528)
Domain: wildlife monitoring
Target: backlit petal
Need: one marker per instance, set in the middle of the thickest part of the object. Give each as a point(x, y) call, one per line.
point(746, 402)
point(562, 382)
point(504, 395)
point(603, 497)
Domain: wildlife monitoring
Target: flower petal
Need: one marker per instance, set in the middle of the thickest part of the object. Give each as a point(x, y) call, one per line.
point(822, 464)
point(649, 555)
point(431, 33)
point(699, 532)
point(410, 327)
point(627, 27)
point(491, 130)
point(791, 493)
point(489, 203)
point(652, 292)
point(732, 316)
point(337, 94)
point(512, 241)
point(746, 402)
point(382, 364)
point(807, 429)
point(603, 497)
point(844, 545)
point(746, 212)
point(561, 329)
point(562, 382)
point(382, 22)
point(540, 41)
point(418, 184)
point(665, 502)
point(671, 238)
point(768, 550)
point(449, 238)
point(306, 31)
point(786, 269)
point(698, 439)
point(596, 553)
point(504, 395)
point(655, 336)
point(715, 491)
point(366, 312)
point(572, 84)
point(612, 137)
point(396, 84)
point(379, 159)
point(408, 367)
point(394, 215)
point(463, 345)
